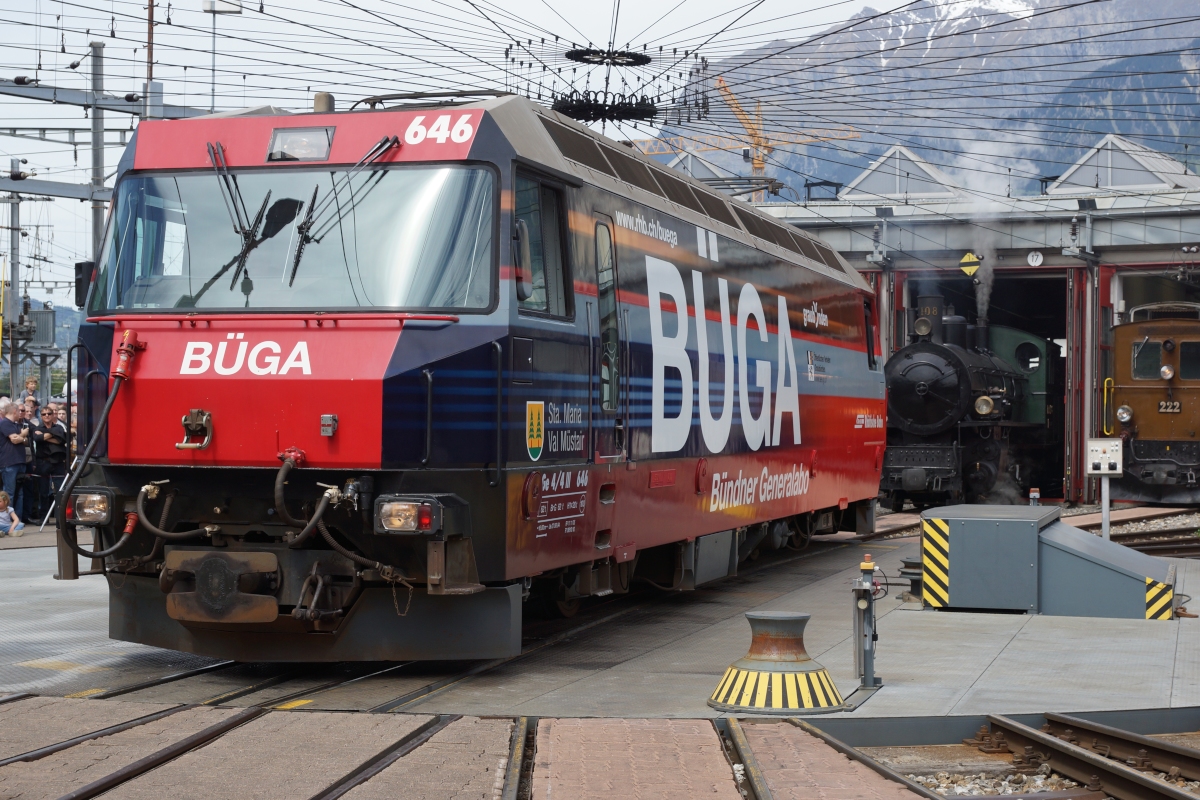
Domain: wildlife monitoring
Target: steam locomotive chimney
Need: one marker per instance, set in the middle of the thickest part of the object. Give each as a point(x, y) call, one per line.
point(983, 339)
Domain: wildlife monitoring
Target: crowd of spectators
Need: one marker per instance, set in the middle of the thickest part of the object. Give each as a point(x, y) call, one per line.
point(35, 450)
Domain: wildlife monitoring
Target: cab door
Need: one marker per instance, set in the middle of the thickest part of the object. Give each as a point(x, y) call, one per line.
point(610, 425)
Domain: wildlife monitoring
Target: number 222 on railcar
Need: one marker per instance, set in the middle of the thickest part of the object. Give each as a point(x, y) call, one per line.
point(360, 386)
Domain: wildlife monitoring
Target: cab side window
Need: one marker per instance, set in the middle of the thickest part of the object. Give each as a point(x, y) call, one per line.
point(538, 249)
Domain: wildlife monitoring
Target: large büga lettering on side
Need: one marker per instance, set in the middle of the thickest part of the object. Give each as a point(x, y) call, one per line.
point(669, 434)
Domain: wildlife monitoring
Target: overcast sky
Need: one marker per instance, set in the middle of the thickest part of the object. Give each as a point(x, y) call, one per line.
point(353, 48)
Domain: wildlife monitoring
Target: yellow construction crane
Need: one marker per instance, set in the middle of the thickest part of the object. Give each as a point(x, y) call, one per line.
point(757, 140)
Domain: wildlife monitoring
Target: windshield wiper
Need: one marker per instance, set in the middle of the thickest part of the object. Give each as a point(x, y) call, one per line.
point(311, 219)
point(1138, 349)
point(231, 194)
point(302, 229)
point(249, 240)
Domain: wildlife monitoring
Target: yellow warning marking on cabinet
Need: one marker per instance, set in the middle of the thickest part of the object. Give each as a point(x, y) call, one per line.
point(935, 562)
point(777, 690)
point(1159, 600)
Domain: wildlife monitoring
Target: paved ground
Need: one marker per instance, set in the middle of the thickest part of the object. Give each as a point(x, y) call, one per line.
point(622, 703)
point(71, 769)
point(54, 634)
point(659, 655)
point(466, 759)
point(35, 536)
point(644, 759)
point(799, 766)
point(41, 721)
point(278, 755)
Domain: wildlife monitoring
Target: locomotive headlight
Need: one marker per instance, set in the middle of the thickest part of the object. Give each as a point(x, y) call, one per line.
point(399, 516)
point(1124, 414)
point(922, 326)
point(1167, 372)
point(90, 508)
point(407, 515)
point(984, 405)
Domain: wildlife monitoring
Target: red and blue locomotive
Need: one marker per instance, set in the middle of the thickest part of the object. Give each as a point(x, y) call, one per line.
point(359, 385)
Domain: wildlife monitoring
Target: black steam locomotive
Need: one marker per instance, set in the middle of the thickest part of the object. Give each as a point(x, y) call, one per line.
point(970, 412)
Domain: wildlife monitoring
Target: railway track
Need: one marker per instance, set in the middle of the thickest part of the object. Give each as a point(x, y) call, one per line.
point(268, 685)
point(514, 774)
point(763, 758)
point(1119, 763)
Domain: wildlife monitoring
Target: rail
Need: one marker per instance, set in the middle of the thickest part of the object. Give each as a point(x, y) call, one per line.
point(730, 729)
point(1132, 748)
point(156, 759)
point(864, 759)
point(386, 757)
point(1083, 765)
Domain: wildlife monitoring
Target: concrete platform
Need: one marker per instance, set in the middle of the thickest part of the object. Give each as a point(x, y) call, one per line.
point(659, 655)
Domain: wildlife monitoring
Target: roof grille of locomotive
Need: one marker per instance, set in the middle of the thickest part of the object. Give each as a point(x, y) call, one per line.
point(587, 151)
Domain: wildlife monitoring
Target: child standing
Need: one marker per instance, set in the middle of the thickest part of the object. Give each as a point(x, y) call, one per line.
point(31, 390)
point(10, 523)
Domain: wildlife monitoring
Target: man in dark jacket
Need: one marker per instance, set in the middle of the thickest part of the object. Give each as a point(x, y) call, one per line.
point(12, 449)
point(50, 453)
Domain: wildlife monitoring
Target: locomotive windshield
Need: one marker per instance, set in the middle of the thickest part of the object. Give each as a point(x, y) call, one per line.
point(417, 238)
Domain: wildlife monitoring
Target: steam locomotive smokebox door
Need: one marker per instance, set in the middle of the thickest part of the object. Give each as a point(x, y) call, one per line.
point(1022, 558)
point(982, 557)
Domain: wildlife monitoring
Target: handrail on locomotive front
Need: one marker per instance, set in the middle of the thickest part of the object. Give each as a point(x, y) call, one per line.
point(1110, 388)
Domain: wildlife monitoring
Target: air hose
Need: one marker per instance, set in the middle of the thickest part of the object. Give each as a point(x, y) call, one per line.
point(126, 350)
point(292, 458)
point(386, 572)
point(151, 490)
point(318, 512)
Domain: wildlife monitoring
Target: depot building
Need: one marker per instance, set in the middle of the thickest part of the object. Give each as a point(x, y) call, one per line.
point(1117, 230)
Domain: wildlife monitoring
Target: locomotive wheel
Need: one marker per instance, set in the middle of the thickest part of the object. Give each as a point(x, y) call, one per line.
point(801, 536)
point(565, 608)
point(554, 602)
